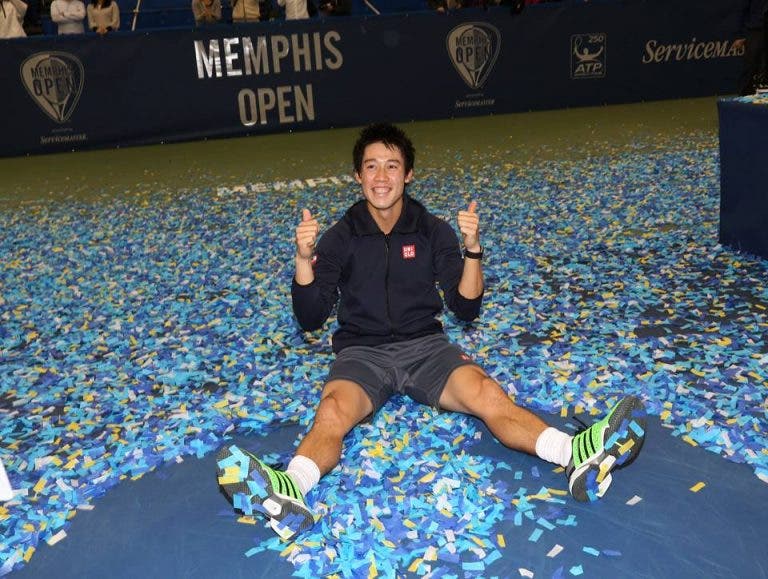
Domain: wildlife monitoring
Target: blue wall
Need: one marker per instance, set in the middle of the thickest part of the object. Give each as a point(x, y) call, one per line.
point(130, 88)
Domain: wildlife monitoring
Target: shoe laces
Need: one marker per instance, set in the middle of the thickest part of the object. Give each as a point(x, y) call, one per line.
point(584, 426)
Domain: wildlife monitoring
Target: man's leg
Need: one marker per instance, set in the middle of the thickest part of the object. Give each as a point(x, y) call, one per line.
point(589, 457)
point(256, 488)
point(343, 405)
point(471, 391)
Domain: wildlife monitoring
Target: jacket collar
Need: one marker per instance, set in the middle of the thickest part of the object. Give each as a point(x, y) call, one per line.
point(362, 221)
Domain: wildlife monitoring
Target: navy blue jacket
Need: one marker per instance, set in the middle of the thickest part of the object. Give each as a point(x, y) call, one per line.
point(385, 284)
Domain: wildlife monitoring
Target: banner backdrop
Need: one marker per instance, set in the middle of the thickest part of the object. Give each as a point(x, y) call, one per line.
point(63, 93)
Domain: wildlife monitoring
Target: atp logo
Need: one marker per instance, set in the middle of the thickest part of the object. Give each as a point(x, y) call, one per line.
point(474, 48)
point(55, 81)
point(588, 55)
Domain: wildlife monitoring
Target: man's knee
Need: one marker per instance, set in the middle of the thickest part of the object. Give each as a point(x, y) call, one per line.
point(342, 407)
point(330, 411)
point(490, 394)
point(469, 389)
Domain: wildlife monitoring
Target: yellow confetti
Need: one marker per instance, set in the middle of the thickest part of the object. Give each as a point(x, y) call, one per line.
point(40, 485)
point(427, 477)
point(690, 441)
point(231, 475)
point(415, 565)
point(626, 447)
point(697, 487)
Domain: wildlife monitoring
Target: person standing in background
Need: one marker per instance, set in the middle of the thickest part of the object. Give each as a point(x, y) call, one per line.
point(335, 7)
point(11, 17)
point(103, 16)
point(246, 11)
point(295, 9)
point(69, 15)
point(206, 11)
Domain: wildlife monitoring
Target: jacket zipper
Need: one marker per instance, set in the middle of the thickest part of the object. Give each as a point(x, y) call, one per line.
point(386, 284)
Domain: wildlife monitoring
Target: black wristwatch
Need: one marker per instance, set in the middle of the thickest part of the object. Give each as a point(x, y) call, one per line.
point(473, 254)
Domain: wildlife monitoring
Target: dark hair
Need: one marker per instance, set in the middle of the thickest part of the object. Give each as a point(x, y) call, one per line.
point(391, 136)
point(106, 4)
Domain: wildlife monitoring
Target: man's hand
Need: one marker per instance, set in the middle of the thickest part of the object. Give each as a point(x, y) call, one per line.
point(469, 225)
point(306, 235)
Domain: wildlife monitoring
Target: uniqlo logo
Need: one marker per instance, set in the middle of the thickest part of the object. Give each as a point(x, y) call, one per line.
point(409, 252)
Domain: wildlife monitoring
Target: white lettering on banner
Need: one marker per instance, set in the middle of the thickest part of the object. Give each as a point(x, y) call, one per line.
point(296, 184)
point(293, 104)
point(693, 50)
point(209, 61)
point(230, 57)
point(244, 56)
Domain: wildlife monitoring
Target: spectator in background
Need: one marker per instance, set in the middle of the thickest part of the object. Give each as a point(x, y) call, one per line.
point(295, 9)
point(444, 5)
point(335, 7)
point(245, 11)
point(69, 15)
point(206, 11)
point(103, 16)
point(755, 71)
point(11, 16)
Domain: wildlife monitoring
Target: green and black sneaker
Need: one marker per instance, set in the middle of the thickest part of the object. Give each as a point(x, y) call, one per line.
point(253, 487)
point(611, 443)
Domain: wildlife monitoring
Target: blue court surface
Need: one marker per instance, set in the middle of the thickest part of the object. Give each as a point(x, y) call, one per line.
point(140, 332)
point(174, 523)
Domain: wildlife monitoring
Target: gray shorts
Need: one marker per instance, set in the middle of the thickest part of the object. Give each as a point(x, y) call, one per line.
point(418, 368)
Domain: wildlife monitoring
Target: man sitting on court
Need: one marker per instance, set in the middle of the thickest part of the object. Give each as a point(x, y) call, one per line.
point(381, 263)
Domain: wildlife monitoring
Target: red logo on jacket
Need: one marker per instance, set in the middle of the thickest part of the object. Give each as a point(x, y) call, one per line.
point(409, 252)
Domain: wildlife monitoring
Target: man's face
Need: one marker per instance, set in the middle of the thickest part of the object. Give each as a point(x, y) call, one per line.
point(382, 176)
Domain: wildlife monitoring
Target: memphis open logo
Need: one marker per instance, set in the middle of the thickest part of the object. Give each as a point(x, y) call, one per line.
point(474, 48)
point(54, 80)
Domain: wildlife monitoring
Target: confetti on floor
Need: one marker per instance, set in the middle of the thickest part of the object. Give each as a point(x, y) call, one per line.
point(141, 330)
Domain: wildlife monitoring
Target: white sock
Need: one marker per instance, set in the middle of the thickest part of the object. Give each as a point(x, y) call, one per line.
point(554, 446)
point(6, 492)
point(304, 473)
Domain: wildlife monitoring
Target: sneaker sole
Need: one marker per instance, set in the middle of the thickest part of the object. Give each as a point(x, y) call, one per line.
point(628, 426)
point(252, 492)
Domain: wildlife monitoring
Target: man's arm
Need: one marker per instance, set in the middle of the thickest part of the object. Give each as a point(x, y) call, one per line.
point(314, 290)
point(460, 278)
point(306, 237)
point(471, 284)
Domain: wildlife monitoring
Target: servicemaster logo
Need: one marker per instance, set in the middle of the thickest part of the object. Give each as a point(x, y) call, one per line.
point(55, 81)
point(474, 48)
point(588, 53)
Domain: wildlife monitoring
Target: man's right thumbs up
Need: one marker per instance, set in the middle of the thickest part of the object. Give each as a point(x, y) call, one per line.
point(306, 235)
